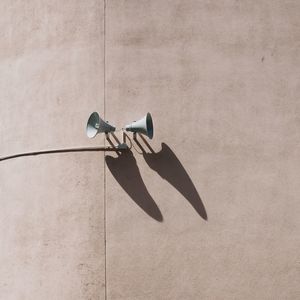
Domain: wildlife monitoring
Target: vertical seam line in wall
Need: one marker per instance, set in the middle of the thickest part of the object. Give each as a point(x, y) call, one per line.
point(104, 113)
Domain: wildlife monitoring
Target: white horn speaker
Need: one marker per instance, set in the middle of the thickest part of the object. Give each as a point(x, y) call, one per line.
point(144, 126)
point(96, 125)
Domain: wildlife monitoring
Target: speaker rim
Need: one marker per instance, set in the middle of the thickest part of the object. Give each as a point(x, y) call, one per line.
point(90, 126)
point(149, 124)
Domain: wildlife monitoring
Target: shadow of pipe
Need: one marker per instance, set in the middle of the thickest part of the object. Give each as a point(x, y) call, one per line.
point(125, 170)
point(167, 165)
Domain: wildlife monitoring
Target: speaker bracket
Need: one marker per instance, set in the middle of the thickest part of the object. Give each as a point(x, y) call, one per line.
point(122, 146)
point(119, 146)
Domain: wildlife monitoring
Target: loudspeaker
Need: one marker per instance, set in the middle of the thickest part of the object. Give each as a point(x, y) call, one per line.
point(144, 126)
point(96, 125)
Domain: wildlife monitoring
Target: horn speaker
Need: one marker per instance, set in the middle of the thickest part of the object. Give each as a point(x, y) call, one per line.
point(96, 125)
point(144, 126)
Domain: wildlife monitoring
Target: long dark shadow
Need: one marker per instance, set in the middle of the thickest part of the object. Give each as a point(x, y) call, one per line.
point(167, 165)
point(125, 170)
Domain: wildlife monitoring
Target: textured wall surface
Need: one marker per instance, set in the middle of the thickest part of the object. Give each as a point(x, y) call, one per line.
point(211, 209)
point(51, 216)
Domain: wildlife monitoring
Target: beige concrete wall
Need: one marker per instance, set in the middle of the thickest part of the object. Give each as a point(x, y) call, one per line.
point(51, 216)
point(213, 212)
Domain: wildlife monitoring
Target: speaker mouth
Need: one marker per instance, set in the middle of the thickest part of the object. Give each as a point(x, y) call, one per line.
point(91, 126)
point(149, 123)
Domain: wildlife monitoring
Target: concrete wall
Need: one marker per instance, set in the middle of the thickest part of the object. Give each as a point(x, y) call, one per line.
point(213, 211)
